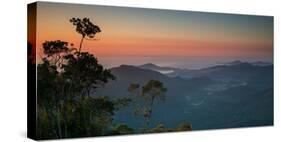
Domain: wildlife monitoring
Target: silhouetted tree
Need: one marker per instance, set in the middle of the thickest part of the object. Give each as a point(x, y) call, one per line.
point(67, 80)
point(86, 28)
point(84, 70)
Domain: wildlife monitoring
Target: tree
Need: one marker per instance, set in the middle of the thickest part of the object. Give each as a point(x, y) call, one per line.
point(152, 91)
point(49, 96)
point(54, 51)
point(158, 129)
point(67, 106)
point(83, 70)
point(121, 129)
point(145, 98)
point(184, 126)
point(85, 28)
point(67, 80)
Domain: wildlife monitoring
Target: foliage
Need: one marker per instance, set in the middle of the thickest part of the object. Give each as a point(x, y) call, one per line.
point(121, 129)
point(158, 129)
point(152, 91)
point(184, 126)
point(85, 28)
point(162, 128)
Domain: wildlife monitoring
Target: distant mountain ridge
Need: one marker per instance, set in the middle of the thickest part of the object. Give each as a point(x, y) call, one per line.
point(235, 70)
point(241, 73)
point(260, 63)
point(158, 68)
point(134, 74)
point(127, 74)
point(257, 63)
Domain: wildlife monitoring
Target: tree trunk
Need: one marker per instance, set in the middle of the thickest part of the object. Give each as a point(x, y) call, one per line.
point(147, 119)
point(65, 129)
point(58, 123)
point(81, 44)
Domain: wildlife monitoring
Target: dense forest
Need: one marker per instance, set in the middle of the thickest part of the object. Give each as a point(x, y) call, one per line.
point(68, 104)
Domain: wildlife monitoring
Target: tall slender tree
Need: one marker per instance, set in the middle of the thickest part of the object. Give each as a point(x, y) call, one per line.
point(85, 28)
point(152, 91)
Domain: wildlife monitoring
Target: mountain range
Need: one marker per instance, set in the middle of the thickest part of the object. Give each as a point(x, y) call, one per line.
point(239, 94)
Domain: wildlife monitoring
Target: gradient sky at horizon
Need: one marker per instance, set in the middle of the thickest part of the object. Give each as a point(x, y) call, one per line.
point(165, 37)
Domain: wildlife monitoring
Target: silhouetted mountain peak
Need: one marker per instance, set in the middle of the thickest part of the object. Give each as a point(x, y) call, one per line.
point(236, 62)
point(133, 71)
point(154, 67)
point(125, 66)
point(128, 68)
point(149, 65)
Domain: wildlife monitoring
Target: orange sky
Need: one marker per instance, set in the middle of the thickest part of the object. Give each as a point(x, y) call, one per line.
point(145, 32)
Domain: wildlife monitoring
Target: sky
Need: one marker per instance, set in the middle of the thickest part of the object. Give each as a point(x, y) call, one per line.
point(164, 37)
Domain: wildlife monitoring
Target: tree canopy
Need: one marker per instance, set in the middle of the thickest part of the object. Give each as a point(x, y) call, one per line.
point(85, 28)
